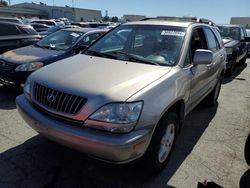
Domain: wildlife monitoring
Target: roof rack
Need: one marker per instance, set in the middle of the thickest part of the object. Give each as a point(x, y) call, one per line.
point(184, 18)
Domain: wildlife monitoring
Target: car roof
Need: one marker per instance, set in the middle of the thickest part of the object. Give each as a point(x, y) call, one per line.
point(80, 29)
point(43, 20)
point(12, 23)
point(8, 18)
point(161, 22)
point(229, 25)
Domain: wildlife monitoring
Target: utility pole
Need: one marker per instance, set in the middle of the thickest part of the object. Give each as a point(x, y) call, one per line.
point(9, 2)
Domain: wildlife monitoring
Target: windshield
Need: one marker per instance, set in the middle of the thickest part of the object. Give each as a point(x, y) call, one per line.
point(60, 40)
point(158, 45)
point(230, 32)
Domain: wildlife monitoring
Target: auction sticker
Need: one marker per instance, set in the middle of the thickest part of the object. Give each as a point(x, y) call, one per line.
point(74, 34)
point(173, 33)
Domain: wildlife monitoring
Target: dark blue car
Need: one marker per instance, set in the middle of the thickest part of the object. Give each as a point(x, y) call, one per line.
point(16, 65)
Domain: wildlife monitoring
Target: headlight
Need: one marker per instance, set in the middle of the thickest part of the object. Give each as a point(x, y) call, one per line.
point(116, 117)
point(27, 87)
point(229, 51)
point(29, 66)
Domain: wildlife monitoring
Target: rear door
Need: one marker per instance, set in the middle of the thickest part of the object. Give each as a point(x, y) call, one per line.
point(218, 56)
point(10, 37)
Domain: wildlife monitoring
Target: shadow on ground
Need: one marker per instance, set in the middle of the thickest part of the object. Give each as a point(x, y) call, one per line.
point(8, 95)
point(39, 162)
point(236, 73)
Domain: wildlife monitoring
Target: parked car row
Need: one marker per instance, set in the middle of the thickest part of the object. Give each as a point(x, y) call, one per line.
point(126, 95)
point(16, 35)
point(235, 44)
point(16, 65)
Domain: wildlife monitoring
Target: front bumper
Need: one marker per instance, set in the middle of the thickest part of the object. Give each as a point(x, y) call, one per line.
point(110, 147)
point(14, 77)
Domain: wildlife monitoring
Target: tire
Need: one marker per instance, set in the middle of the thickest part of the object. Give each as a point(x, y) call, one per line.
point(229, 71)
point(243, 60)
point(212, 98)
point(162, 143)
point(247, 150)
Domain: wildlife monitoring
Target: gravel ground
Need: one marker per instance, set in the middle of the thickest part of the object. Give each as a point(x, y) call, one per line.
point(210, 146)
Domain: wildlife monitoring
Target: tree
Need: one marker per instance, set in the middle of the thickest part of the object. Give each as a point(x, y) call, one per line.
point(105, 19)
point(114, 19)
point(3, 3)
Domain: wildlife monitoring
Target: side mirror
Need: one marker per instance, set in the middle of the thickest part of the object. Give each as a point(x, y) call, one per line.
point(80, 48)
point(202, 57)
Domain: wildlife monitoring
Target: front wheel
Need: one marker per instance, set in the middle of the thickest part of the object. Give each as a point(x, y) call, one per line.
point(162, 143)
point(247, 150)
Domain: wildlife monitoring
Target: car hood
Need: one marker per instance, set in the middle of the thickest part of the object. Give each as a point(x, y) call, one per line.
point(229, 42)
point(29, 54)
point(95, 77)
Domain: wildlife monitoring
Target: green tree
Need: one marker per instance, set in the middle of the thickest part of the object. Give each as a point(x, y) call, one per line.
point(3, 3)
point(105, 19)
point(114, 19)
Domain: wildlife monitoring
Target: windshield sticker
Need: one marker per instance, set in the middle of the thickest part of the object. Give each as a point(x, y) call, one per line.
point(173, 33)
point(74, 34)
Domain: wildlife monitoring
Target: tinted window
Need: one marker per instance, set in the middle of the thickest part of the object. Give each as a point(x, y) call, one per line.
point(8, 30)
point(248, 32)
point(230, 32)
point(211, 41)
point(242, 34)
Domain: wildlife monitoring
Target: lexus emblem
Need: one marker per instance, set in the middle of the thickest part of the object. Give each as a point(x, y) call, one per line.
point(51, 98)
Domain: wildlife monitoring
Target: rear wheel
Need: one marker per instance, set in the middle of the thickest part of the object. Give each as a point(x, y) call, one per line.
point(162, 143)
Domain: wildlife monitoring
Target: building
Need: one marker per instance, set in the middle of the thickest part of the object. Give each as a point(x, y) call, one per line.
point(241, 21)
point(74, 14)
point(10, 11)
point(131, 17)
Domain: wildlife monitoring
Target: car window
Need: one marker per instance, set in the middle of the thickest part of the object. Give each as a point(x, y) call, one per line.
point(198, 41)
point(146, 43)
point(115, 42)
point(212, 44)
point(218, 36)
point(242, 34)
point(187, 59)
point(248, 32)
point(230, 32)
point(8, 30)
point(60, 40)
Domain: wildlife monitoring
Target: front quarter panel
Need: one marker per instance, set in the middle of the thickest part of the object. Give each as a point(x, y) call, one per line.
point(159, 96)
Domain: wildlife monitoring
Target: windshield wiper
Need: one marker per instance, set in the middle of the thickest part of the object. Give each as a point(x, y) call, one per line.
point(131, 57)
point(99, 54)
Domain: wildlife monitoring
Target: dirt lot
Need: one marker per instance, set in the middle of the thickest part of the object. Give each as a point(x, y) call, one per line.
point(210, 146)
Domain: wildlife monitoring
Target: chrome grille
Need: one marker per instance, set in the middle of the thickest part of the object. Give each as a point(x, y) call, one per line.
point(5, 66)
point(57, 100)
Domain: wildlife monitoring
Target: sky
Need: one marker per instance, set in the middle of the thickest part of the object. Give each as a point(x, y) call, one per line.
point(219, 11)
